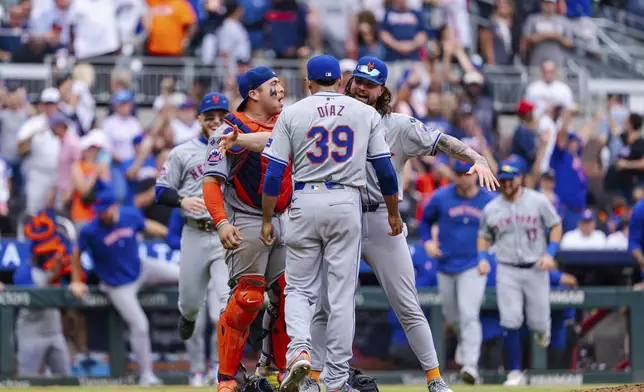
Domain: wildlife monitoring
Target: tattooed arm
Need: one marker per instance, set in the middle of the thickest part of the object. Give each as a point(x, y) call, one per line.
point(455, 148)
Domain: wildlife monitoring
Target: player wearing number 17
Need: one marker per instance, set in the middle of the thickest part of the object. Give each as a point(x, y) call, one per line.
point(329, 138)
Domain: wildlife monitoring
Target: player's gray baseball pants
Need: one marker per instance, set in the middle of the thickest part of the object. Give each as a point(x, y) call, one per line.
point(202, 260)
point(462, 295)
point(523, 289)
point(391, 262)
point(124, 299)
point(195, 346)
point(324, 229)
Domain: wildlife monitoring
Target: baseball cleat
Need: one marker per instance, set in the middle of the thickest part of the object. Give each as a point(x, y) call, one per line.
point(149, 380)
point(438, 385)
point(469, 375)
point(515, 378)
point(310, 385)
point(186, 328)
point(197, 380)
point(345, 388)
point(297, 372)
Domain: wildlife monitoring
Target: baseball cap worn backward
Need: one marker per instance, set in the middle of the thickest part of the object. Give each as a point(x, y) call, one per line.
point(373, 69)
point(213, 101)
point(251, 80)
point(323, 67)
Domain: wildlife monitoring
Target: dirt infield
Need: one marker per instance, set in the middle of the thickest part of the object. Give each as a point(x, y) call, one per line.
point(622, 388)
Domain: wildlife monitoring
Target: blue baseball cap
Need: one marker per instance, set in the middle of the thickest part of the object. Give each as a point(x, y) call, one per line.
point(104, 199)
point(213, 101)
point(508, 170)
point(323, 67)
point(373, 69)
point(251, 80)
point(587, 215)
point(122, 96)
point(518, 161)
point(461, 166)
point(57, 119)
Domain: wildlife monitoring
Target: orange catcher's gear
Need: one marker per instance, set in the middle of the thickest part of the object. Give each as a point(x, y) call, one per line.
point(279, 337)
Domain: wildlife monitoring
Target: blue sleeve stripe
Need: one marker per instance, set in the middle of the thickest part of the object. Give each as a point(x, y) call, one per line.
point(384, 155)
point(274, 159)
point(273, 178)
point(215, 173)
point(433, 152)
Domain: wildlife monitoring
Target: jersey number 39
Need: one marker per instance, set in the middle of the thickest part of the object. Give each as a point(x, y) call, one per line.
point(337, 143)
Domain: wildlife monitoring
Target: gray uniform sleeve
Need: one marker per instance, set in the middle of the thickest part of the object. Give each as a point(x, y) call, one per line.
point(419, 139)
point(548, 213)
point(485, 231)
point(278, 146)
point(216, 164)
point(378, 147)
point(171, 173)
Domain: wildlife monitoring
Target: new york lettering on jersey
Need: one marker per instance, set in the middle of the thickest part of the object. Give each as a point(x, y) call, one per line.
point(184, 169)
point(332, 138)
point(407, 138)
point(243, 170)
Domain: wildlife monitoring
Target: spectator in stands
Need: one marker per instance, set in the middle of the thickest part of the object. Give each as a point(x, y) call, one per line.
point(580, 14)
point(173, 24)
point(141, 166)
point(405, 102)
point(93, 29)
point(547, 35)
point(571, 184)
point(486, 116)
point(547, 129)
point(121, 79)
point(53, 19)
point(254, 22)
point(585, 236)
point(368, 36)
point(435, 118)
point(14, 30)
point(184, 125)
point(287, 26)
point(619, 239)
point(12, 117)
point(496, 37)
point(469, 131)
point(548, 92)
point(347, 66)
point(121, 127)
point(629, 168)
point(82, 100)
point(547, 187)
point(40, 148)
point(457, 20)
point(29, 44)
point(132, 23)
point(70, 151)
point(337, 21)
point(525, 138)
point(403, 32)
point(93, 166)
point(232, 39)
point(610, 128)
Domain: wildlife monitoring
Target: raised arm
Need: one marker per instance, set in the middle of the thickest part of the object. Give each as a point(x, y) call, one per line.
point(456, 149)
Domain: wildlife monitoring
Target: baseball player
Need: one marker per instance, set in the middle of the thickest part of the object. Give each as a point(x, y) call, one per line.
point(236, 211)
point(457, 209)
point(329, 137)
point(517, 223)
point(180, 185)
point(407, 138)
point(39, 332)
point(110, 239)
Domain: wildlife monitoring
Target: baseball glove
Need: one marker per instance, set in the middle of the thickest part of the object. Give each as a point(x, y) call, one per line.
point(257, 384)
point(362, 382)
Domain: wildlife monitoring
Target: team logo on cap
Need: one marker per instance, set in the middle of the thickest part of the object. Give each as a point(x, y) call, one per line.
point(214, 157)
point(215, 98)
point(371, 66)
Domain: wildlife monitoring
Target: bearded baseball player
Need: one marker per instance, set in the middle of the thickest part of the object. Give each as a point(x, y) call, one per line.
point(253, 268)
point(202, 255)
point(406, 138)
point(517, 223)
point(330, 137)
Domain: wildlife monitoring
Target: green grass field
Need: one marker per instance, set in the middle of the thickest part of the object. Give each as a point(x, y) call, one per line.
point(390, 388)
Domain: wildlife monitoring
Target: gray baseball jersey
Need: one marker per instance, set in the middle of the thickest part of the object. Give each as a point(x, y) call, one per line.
point(518, 230)
point(183, 171)
point(407, 138)
point(329, 137)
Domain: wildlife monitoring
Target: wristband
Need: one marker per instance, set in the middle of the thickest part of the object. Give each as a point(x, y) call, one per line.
point(552, 248)
point(482, 255)
point(223, 222)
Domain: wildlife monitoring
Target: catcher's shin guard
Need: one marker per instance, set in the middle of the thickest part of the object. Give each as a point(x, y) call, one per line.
point(279, 337)
point(361, 381)
point(234, 325)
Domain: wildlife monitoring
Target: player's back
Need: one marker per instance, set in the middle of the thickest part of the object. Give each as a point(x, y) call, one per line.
point(330, 135)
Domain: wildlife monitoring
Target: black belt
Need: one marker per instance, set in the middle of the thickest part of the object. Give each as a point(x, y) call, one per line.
point(370, 207)
point(206, 225)
point(520, 266)
point(329, 185)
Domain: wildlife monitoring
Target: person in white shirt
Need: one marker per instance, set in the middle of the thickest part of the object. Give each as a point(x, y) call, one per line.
point(40, 148)
point(121, 127)
point(184, 124)
point(93, 28)
point(619, 239)
point(233, 43)
point(548, 93)
point(585, 236)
